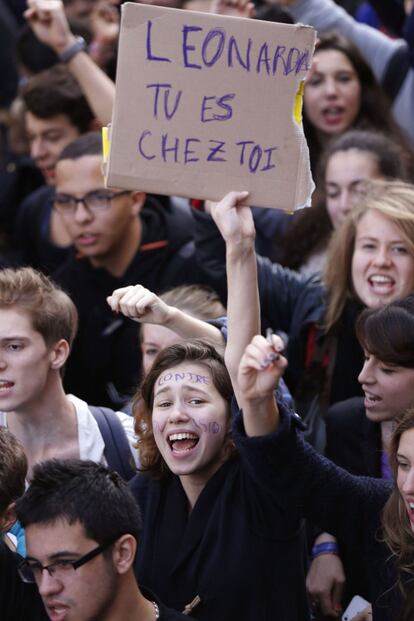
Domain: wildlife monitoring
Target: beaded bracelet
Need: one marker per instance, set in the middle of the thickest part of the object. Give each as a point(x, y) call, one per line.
point(328, 547)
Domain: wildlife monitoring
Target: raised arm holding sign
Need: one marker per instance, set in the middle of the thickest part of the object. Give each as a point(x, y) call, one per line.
point(205, 103)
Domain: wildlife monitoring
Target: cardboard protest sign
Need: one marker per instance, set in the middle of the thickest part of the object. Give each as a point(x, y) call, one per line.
point(206, 104)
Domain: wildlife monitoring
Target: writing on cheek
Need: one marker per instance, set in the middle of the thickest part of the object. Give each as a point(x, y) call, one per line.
point(180, 377)
point(208, 427)
point(159, 426)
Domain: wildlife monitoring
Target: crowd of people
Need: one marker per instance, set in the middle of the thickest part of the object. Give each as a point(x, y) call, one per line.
point(206, 409)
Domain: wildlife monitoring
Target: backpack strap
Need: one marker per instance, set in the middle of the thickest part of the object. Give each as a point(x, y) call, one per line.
point(396, 72)
point(117, 449)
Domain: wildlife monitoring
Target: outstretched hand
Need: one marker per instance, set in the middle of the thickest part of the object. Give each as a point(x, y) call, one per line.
point(48, 21)
point(261, 368)
point(139, 304)
point(234, 221)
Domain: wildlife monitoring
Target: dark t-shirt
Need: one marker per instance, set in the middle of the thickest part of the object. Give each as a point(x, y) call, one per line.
point(18, 601)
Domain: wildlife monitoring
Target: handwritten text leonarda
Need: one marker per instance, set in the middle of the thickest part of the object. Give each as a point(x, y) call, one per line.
point(203, 49)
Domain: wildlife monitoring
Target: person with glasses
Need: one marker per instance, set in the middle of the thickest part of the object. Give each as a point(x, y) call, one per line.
point(18, 601)
point(120, 240)
point(82, 531)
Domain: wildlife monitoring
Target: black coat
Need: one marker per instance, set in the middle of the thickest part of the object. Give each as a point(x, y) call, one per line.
point(354, 443)
point(241, 550)
point(347, 506)
point(352, 440)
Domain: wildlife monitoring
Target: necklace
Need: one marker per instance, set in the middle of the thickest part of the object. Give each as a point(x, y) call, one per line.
point(157, 610)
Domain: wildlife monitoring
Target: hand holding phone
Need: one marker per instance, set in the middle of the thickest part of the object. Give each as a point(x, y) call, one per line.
point(356, 605)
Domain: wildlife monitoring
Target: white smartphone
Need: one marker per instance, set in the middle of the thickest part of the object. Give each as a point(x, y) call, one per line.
point(356, 605)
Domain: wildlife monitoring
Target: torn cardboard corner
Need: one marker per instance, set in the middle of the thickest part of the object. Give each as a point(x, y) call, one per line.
point(206, 104)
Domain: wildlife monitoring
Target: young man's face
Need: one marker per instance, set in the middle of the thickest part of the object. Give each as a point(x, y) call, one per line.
point(99, 234)
point(47, 138)
point(82, 594)
point(25, 361)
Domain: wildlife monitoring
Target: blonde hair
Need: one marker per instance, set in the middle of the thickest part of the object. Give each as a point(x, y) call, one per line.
point(196, 300)
point(393, 199)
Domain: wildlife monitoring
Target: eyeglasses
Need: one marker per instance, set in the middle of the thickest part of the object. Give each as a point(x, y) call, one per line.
point(96, 201)
point(60, 569)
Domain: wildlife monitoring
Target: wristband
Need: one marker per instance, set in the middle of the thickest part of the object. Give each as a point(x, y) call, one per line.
point(72, 50)
point(328, 547)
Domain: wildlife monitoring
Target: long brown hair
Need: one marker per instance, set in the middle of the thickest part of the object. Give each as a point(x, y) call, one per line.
point(398, 534)
point(388, 334)
point(192, 350)
point(393, 199)
point(374, 111)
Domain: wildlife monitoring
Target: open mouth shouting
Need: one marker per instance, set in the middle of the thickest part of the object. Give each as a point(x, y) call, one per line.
point(382, 284)
point(190, 421)
point(370, 400)
point(333, 115)
point(410, 511)
point(182, 443)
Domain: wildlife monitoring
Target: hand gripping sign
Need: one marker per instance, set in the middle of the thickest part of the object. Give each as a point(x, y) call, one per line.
point(206, 104)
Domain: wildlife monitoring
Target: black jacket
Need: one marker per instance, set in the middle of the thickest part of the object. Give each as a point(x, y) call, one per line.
point(354, 443)
point(352, 440)
point(105, 361)
point(347, 506)
point(241, 549)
